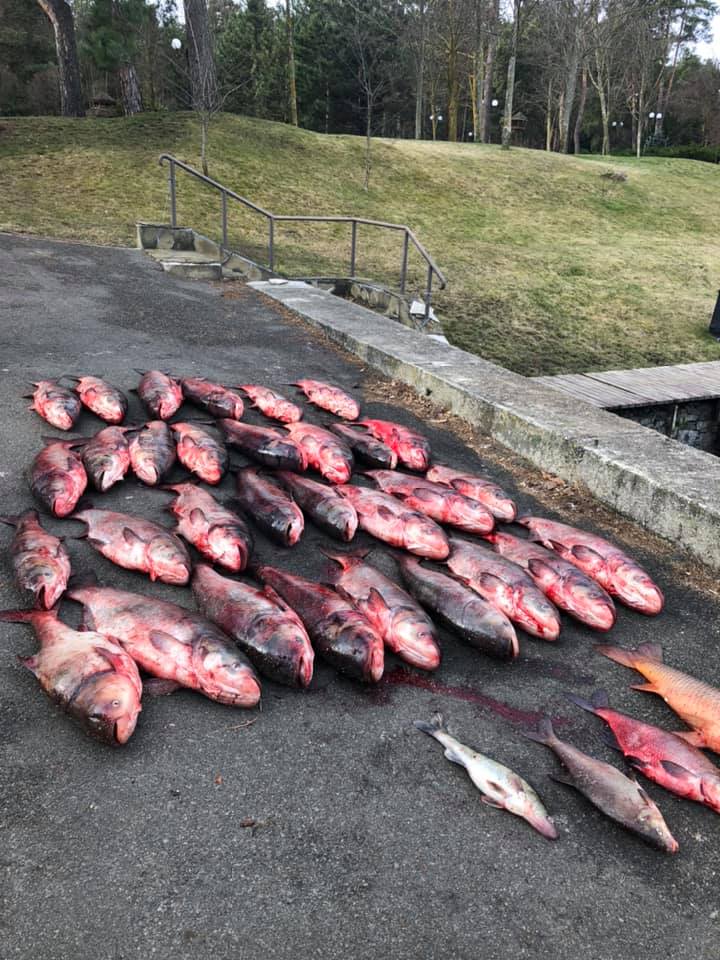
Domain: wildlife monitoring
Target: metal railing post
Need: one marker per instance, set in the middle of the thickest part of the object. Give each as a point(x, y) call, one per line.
point(224, 220)
point(428, 293)
point(403, 268)
point(271, 243)
point(173, 201)
point(353, 247)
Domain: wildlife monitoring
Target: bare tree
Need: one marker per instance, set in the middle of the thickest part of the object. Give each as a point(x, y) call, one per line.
point(60, 15)
point(292, 87)
point(206, 101)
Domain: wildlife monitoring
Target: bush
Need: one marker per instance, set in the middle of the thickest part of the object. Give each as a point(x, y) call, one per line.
point(690, 151)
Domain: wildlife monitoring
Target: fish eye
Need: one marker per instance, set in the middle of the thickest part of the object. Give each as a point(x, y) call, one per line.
point(115, 703)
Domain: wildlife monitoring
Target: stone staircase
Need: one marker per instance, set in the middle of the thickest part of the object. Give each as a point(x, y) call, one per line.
point(183, 252)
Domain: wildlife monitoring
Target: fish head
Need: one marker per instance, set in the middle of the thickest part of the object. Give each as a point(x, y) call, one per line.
point(414, 454)
point(424, 537)
point(168, 560)
point(536, 613)
point(48, 584)
point(710, 790)
point(109, 705)
point(655, 830)
point(416, 638)
point(223, 672)
point(529, 807)
point(635, 587)
point(229, 547)
point(589, 599)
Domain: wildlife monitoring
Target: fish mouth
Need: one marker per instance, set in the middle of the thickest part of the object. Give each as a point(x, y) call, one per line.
point(305, 668)
point(376, 665)
point(544, 826)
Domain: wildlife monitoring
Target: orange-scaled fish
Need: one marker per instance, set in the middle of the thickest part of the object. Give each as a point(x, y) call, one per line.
point(696, 702)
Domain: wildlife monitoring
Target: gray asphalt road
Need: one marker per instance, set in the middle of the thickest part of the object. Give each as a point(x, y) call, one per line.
point(366, 843)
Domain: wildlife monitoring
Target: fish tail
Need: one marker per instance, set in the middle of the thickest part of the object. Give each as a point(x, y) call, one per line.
point(598, 701)
point(523, 520)
point(436, 725)
point(344, 558)
point(10, 519)
point(630, 658)
point(544, 733)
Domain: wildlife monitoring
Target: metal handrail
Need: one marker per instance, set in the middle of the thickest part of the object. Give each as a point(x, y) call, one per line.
point(273, 218)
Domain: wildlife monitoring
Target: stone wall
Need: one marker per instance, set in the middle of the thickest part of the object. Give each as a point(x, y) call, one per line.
point(694, 422)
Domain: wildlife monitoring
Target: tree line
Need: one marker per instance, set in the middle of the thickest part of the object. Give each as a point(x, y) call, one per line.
point(563, 75)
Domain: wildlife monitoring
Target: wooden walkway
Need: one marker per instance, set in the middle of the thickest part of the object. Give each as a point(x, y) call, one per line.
point(645, 387)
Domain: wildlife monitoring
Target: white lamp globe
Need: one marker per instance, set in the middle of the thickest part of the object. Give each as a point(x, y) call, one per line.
point(175, 43)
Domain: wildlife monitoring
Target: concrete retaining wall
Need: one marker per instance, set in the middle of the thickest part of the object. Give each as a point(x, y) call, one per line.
point(671, 489)
point(694, 422)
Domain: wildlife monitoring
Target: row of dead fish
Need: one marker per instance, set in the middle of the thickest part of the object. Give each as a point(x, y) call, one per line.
point(672, 760)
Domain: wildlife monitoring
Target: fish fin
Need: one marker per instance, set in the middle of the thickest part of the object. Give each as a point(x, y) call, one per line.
point(598, 701)
point(24, 616)
point(611, 740)
point(10, 520)
point(114, 659)
point(544, 733)
point(162, 641)
point(651, 651)
point(644, 795)
point(454, 757)
point(563, 778)
point(619, 655)
point(345, 558)
point(584, 554)
point(491, 803)
point(158, 687)
point(197, 516)
point(93, 541)
point(540, 569)
point(675, 770)
point(385, 513)
point(31, 663)
point(643, 687)
point(693, 737)
point(375, 599)
point(131, 538)
point(580, 702)
point(489, 581)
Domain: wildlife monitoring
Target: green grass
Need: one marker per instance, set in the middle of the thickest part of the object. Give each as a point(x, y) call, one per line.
point(551, 267)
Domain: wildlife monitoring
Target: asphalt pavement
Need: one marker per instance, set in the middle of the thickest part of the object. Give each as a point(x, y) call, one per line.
point(324, 825)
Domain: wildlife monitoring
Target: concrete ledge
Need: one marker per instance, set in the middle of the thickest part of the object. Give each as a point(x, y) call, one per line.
point(671, 489)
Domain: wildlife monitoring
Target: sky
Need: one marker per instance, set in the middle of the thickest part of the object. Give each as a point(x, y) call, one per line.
point(711, 50)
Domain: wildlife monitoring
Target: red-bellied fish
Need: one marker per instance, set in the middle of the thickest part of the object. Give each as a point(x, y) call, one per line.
point(455, 606)
point(40, 561)
point(213, 397)
point(266, 445)
point(391, 521)
point(372, 451)
point(492, 496)
point(500, 786)
point(161, 394)
point(329, 398)
point(260, 622)
point(436, 501)
point(340, 633)
point(326, 453)
point(614, 570)
point(220, 535)
point(88, 674)
point(506, 585)
point(269, 506)
point(152, 452)
point(172, 643)
point(200, 452)
point(411, 447)
point(106, 457)
point(564, 584)
point(616, 795)
point(137, 544)
point(404, 626)
point(56, 404)
point(102, 399)
point(272, 404)
point(324, 505)
point(58, 478)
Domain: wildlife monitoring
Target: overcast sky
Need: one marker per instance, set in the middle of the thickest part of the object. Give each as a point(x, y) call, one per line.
point(712, 50)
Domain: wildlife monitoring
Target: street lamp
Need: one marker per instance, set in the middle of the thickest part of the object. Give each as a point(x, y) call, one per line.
point(176, 43)
point(494, 103)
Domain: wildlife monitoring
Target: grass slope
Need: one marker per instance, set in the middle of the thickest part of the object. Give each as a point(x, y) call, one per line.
point(551, 267)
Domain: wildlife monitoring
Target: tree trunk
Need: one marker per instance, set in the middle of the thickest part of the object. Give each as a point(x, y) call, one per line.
point(420, 74)
point(292, 87)
point(581, 109)
point(510, 87)
point(568, 100)
point(639, 132)
point(368, 141)
point(60, 16)
point(549, 122)
point(485, 104)
point(204, 126)
point(203, 79)
point(130, 89)
point(605, 120)
point(453, 89)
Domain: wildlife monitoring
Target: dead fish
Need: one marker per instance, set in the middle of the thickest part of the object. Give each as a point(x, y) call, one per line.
point(660, 756)
point(411, 447)
point(220, 535)
point(616, 795)
point(325, 507)
point(171, 643)
point(200, 452)
point(404, 626)
point(498, 502)
point(614, 570)
point(325, 452)
point(260, 622)
point(40, 561)
point(474, 620)
point(562, 582)
point(269, 506)
point(506, 585)
point(137, 544)
point(58, 478)
point(161, 394)
point(55, 404)
point(500, 786)
point(696, 702)
point(372, 451)
point(391, 521)
point(272, 404)
point(440, 503)
point(266, 445)
point(213, 397)
point(152, 452)
point(329, 398)
point(89, 675)
point(102, 399)
point(340, 633)
point(106, 457)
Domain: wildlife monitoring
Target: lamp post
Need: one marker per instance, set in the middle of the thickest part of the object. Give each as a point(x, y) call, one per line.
point(435, 118)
